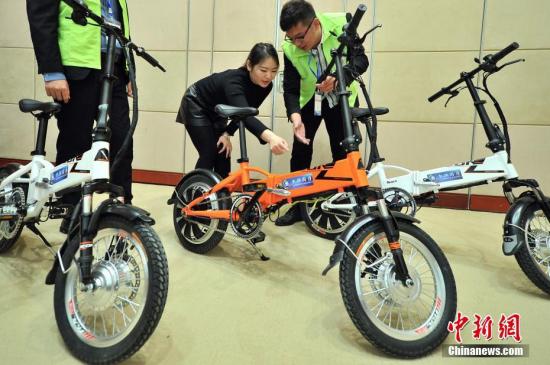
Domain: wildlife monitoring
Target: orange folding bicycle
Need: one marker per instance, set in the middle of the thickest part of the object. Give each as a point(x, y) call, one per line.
point(396, 283)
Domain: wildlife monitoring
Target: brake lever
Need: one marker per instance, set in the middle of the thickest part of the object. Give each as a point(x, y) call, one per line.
point(510, 63)
point(362, 39)
point(453, 93)
point(141, 52)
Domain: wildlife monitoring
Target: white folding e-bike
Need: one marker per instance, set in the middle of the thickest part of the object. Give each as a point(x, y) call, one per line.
point(527, 222)
point(111, 273)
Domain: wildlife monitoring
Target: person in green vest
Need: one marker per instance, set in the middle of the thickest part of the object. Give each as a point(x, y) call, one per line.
point(308, 41)
point(70, 58)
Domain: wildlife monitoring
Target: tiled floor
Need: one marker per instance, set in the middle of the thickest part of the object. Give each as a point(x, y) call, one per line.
point(228, 307)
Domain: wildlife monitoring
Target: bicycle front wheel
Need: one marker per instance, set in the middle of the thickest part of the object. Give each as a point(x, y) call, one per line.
point(110, 322)
point(405, 321)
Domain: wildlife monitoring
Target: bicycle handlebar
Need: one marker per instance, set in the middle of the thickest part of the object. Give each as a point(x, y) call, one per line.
point(351, 27)
point(489, 64)
point(345, 39)
point(502, 53)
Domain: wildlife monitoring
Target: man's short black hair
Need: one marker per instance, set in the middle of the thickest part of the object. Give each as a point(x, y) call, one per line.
point(294, 12)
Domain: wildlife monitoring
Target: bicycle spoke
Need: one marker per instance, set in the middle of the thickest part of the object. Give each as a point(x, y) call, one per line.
point(133, 305)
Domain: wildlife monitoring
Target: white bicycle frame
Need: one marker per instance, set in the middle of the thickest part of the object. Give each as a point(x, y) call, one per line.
point(461, 175)
point(46, 179)
point(416, 183)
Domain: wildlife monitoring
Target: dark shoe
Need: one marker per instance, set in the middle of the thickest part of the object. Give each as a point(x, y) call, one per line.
point(291, 216)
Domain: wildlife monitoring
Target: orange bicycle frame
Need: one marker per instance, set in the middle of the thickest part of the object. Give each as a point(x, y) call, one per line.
point(343, 174)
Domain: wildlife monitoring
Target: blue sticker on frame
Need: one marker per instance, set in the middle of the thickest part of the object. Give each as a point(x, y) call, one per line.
point(298, 182)
point(445, 176)
point(59, 174)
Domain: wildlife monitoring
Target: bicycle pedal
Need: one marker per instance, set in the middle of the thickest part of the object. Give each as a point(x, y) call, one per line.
point(280, 192)
point(260, 237)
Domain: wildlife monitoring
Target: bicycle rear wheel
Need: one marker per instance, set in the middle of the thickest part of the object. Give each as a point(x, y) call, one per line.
point(199, 234)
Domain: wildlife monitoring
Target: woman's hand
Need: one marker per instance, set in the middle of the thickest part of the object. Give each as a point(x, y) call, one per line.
point(225, 143)
point(277, 144)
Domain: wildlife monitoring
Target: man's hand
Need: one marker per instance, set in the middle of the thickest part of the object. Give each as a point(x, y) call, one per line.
point(58, 89)
point(226, 145)
point(129, 89)
point(300, 132)
point(327, 85)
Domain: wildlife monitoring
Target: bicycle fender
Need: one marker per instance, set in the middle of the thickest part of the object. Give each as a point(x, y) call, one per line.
point(513, 236)
point(211, 174)
point(126, 211)
point(342, 240)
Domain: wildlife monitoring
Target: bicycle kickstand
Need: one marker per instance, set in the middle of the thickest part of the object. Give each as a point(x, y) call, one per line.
point(257, 239)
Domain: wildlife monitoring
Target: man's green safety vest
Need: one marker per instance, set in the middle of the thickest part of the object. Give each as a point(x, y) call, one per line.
point(306, 65)
point(81, 45)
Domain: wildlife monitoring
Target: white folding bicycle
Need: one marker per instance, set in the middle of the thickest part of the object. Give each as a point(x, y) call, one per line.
point(527, 222)
point(111, 273)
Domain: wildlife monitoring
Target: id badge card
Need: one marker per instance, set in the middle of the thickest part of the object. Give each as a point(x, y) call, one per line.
point(317, 103)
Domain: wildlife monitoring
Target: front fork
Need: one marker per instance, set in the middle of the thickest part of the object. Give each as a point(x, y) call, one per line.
point(392, 233)
point(87, 232)
point(86, 241)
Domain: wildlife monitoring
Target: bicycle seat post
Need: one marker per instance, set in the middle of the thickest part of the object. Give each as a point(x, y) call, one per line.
point(40, 148)
point(242, 140)
point(243, 161)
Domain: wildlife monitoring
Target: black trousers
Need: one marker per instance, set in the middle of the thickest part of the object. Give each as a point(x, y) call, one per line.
point(302, 153)
point(75, 122)
point(204, 139)
point(204, 131)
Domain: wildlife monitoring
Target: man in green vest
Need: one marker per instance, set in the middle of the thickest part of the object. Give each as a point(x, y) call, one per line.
point(309, 39)
point(70, 57)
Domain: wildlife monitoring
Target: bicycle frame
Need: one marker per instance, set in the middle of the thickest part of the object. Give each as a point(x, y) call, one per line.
point(344, 174)
point(46, 180)
point(458, 176)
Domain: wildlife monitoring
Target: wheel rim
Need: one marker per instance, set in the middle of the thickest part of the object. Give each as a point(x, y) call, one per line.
point(8, 229)
point(537, 237)
point(106, 316)
point(403, 313)
point(331, 221)
point(197, 233)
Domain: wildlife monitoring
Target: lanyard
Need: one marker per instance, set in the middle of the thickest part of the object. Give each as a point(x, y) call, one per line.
point(318, 73)
point(109, 8)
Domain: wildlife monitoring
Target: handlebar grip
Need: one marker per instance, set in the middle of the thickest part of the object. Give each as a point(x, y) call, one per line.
point(437, 95)
point(147, 57)
point(351, 27)
point(504, 52)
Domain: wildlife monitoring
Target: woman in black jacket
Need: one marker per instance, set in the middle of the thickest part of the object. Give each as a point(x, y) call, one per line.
point(247, 86)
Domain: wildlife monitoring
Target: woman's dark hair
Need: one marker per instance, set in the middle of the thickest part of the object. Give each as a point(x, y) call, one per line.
point(294, 12)
point(260, 52)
